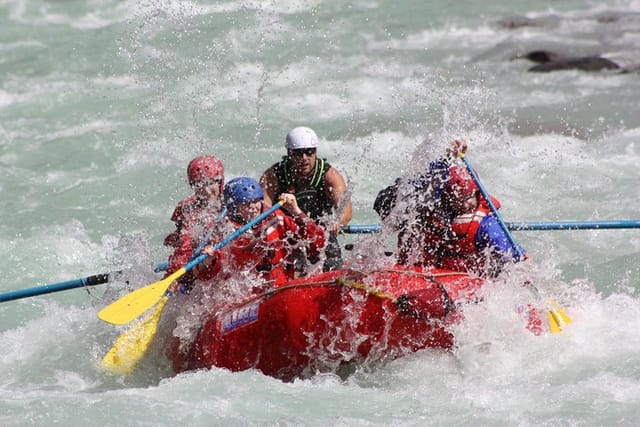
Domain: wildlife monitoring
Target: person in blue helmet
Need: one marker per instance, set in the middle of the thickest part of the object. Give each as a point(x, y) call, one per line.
point(267, 249)
point(320, 189)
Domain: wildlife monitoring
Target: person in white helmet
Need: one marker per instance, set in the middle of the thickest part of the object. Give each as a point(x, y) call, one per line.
point(320, 189)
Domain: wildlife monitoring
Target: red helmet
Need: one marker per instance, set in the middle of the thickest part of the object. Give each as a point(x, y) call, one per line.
point(205, 168)
point(460, 183)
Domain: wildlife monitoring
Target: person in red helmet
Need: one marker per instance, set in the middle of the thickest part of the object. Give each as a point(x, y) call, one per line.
point(479, 244)
point(206, 177)
point(443, 220)
point(194, 214)
point(415, 208)
point(266, 250)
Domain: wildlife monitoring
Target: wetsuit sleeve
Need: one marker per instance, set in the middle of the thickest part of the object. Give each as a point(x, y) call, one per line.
point(184, 252)
point(178, 216)
point(490, 235)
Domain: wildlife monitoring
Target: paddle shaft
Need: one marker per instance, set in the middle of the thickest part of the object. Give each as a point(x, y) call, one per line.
point(224, 242)
point(96, 279)
point(493, 208)
point(526, 226)
point(573, 225)
point(133, 344)
point(132, 305)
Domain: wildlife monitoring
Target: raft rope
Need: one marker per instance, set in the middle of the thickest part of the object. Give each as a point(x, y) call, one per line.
point(448, 302)
point(342, 281)
point(353, 284)
point(421, 274)
point(368, 289)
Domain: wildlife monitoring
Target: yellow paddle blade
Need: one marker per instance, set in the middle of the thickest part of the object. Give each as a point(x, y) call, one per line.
point(132, 345)
point(554, 323)
point(557, 317)
point(564, 317)
point(132, 305)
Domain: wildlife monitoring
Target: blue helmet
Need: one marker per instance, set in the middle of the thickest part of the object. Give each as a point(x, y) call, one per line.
point(241, 190)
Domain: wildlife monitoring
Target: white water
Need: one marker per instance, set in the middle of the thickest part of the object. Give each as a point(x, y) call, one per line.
point(103, 103)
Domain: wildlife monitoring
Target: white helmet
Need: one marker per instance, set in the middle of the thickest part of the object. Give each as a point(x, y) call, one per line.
point(301, 137)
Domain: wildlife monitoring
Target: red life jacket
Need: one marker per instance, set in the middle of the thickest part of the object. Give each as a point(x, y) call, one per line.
point(261, 248)
point(267, 248)
point(189, 213)
point(462, 254)
point(192, 220)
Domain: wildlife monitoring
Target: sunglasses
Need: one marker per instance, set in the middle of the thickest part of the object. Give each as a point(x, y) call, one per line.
point(202, 184)
point(301, 151)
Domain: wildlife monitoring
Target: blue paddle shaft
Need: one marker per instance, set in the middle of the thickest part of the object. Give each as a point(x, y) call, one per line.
point(574, 225)
point(191, 264)
point(526, 226)
point(484, 193)
point(96, 279)
point(104, 278)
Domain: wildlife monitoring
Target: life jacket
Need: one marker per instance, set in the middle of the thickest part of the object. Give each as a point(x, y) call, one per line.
point(266, 249)
point(262, 248)
point(461, 253)
point(192, 219)
point(312, 197)
point(189, 213)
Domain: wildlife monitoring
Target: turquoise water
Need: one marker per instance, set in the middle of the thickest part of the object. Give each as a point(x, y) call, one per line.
point(102, 104)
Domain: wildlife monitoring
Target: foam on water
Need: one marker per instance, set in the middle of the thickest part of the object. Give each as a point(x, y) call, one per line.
point(102, 105)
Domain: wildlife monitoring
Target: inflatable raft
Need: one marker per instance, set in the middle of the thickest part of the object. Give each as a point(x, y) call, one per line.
point(326, 321)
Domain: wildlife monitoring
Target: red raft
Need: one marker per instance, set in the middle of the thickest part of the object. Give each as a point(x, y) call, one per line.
point(323, 322)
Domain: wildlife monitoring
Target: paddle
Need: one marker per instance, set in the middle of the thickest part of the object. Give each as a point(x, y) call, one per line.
point(526, 226)
point(137, 302)
point(557, 316)
point(161, 266)
point(495, 212)
point(164, 265)
point(574, 225)
point(132, 345)
point(96, 279)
